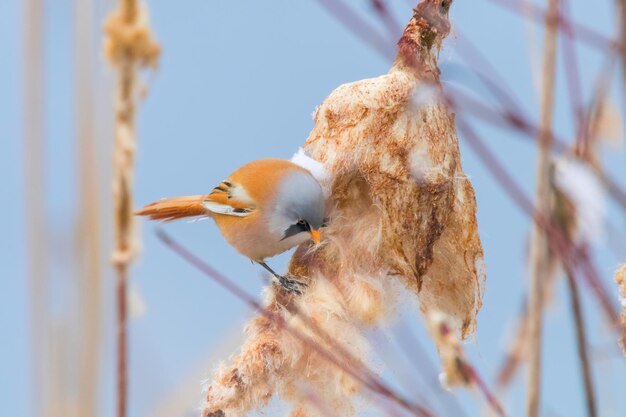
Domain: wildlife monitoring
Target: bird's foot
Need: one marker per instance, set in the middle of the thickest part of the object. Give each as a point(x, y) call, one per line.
point(218, 413)
point(291, 285)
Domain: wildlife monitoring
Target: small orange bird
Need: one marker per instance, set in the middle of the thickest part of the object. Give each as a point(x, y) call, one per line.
point(264, 208)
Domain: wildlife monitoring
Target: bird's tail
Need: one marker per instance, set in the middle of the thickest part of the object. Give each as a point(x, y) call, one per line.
point(174, 208)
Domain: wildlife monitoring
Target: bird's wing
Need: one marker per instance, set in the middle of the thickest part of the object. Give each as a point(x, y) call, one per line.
point(229, 199)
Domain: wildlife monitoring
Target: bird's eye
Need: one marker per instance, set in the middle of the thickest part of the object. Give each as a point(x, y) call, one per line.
point(303, 224)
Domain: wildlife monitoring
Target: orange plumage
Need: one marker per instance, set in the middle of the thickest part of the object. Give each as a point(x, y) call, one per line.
point(174, 208)
point(262, 209)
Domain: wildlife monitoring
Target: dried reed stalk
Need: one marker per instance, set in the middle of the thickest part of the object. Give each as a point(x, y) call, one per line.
point(37, 235)
point(539, 250)
point(401, 211)
point(88, 233)
point(129, 46)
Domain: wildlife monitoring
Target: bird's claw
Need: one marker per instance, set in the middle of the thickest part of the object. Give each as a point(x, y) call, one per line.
point(291, 285)
point(216, 413)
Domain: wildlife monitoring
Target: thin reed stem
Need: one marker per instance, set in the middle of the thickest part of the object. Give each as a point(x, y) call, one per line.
point(88, 233)
point(581, 339)
point(622, 9)
point(121, 346)
point(129, 10)
point(34, 202)
point(359, 26)
point(571, 255)
point(129, 46)
point(122, 195)
point(393, 27)
point(539, 250)
point(572, 76)
point(521, 123)
point(583, 33)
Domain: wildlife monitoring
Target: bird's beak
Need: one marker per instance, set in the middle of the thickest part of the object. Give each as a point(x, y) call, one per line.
point(315, 235)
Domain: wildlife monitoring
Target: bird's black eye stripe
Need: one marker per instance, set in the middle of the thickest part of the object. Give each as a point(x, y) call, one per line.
point(241, 210)
point(294, 229)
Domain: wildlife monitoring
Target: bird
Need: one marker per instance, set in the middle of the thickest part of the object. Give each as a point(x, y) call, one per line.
point(264, 208)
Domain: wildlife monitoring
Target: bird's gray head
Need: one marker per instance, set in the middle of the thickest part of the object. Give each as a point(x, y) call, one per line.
point(299, 208)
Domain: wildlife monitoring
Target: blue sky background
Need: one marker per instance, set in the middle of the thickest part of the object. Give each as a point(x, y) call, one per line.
point(238, 81)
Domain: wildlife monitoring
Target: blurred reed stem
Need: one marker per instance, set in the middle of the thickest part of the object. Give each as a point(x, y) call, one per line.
point(37, 235)
point(539, 250)
point(88, 232)
point(581, 339)
point(622, 9)
point(123, 165)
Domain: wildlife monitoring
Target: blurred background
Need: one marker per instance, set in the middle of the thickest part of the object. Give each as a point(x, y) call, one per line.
point(238, 81)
